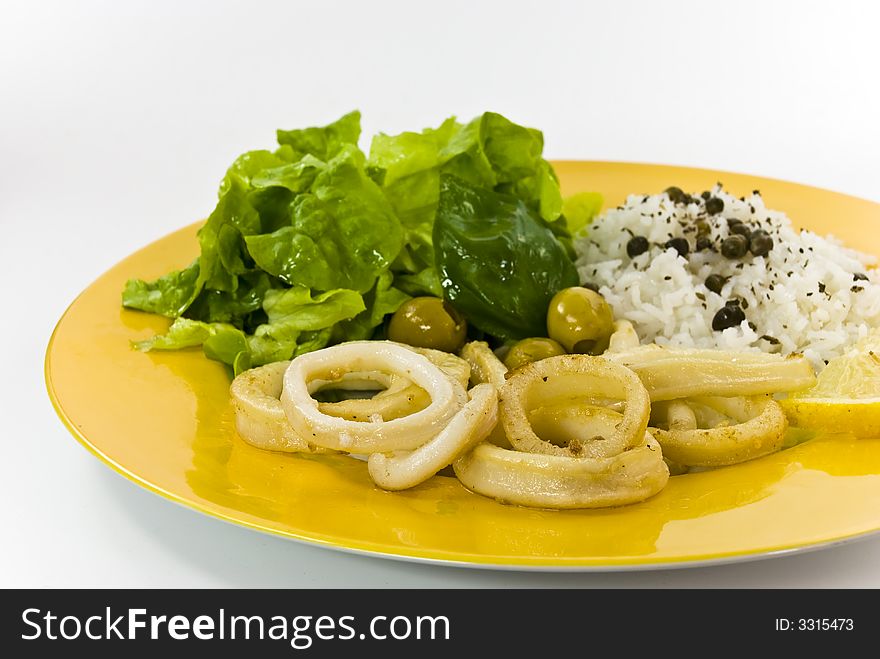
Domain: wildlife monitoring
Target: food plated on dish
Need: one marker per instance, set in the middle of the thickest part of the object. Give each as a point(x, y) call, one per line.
point(436, 306)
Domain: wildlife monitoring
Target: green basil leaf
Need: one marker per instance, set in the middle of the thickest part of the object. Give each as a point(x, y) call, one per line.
point(499, 264)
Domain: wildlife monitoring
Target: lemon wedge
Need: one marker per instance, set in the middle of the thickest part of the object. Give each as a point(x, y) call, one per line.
point(846, 397)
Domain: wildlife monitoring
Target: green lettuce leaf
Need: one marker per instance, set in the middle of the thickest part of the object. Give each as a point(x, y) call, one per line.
point(235, 307)
point(384, 299)
point(222, 258)
point(579, 209)
point(183, 333)
point(296, 176)
point(311, 341)
point(229, 345)
point(323, 142)
point(298, 308)
point(292, 312)
point(249, 165)
point(409, 170)
point(489, 151)
point(219, 341)
point(275, 188)
point(296, 320)
point(170, 295)
point(343, 233)
point(423, 282)
point(272, 343)
point(499, 264)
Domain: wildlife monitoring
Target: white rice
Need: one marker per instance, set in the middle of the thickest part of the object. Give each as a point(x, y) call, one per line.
point(801, 297)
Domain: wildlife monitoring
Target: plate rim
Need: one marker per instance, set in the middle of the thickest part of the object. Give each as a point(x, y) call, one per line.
point(697, 168)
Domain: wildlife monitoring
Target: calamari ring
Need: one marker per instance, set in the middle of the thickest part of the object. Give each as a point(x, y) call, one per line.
point(670, 373)
point(486, 368)
point(553, 481)
point(401, 396)
point(405, 433)
point(573, 378)
point(454, 366)
point(581, 427)
point(760, 431)
point(398, 398)
point(485, 365)
point(473, 423)
point(259, 417)
point(623, 338)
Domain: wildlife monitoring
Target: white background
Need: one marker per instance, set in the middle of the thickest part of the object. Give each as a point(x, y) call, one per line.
point(118, 119)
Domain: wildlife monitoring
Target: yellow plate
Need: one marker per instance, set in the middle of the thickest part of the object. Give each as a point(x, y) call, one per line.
point(164, 421)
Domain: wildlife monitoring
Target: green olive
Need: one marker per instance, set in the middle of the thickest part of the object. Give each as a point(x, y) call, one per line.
point(531, 350)
point(581, 320)
point(428, 322)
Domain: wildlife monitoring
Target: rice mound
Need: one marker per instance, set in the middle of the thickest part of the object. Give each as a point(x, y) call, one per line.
point(808, 295)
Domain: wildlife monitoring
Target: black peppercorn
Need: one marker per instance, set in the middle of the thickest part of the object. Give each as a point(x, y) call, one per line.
point(860, 276)
point(760, 243)
point(715, 283)
point(741, 230)
point(714, 205)
point(726, 317)
point(705, 194)
point(676, 195)
point(735, 246)
point(703, 243)
point(680, 245)
point(636, 245)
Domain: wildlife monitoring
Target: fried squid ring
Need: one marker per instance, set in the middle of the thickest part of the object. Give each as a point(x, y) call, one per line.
point(259, 417)
point(580, 427)
point(759, 430)
point(552, 481)
point(372, 436)
point(623, 338)
point(404, 469)
point(573, 378)
point(398, 398)
point(589, 457)
point(485, 366)
point(455, 367)
point(670, 373)
point(401, 396)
